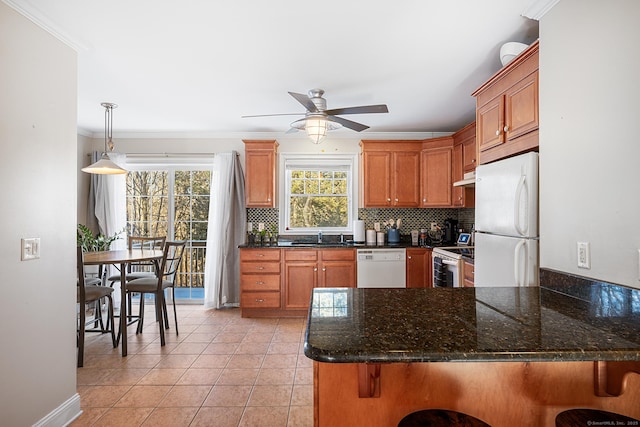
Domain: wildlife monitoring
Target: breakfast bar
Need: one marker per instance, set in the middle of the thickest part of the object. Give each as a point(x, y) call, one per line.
point(506, 355)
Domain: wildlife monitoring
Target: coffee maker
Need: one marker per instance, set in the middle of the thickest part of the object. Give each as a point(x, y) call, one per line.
point(450, 231)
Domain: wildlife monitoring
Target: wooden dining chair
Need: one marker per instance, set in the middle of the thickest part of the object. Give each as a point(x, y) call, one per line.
point(91, 293)
point(171, 260)
point(139, 270)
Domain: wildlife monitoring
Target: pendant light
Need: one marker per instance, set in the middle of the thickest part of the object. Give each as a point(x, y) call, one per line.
point(105, 166)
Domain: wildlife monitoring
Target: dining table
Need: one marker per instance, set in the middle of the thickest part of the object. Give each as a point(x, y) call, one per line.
point(122, 257)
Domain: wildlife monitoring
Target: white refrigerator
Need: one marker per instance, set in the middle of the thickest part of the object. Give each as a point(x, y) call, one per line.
point(506, 222)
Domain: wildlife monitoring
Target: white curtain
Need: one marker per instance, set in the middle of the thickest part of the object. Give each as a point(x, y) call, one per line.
point(109, 195)
point(227, 227)
point(108, 208)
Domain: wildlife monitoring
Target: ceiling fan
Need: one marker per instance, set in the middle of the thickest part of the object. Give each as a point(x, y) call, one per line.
point(318, 120)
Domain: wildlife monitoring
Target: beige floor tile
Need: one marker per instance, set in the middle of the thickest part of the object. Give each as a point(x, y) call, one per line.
point(185, 395)
point(211, 361)
point(200, 376)
point(128, 376)
point(252, 347)
point(221, 348)
point(302, 395)
point(93, 376)
point(304, 376)
point(255, 335)
point(261, 416)
point(171, 417)
point(189, 348)
point(228, 395)
point(240, 361)
point(300, 416)
point(270, 395)
point(280, 361)
point(102, 396)
point(143, 396)
point(205, 337)
point(229, 337)
point(143, 360)
point(123, 417)
point(88, 417)
point(218, 416)
point(275, 376)
point(238, 377)
point(177, 361)
point(162, 376)
point(283, 348)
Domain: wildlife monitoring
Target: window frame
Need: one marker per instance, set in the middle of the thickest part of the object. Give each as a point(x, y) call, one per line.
point(288, 162)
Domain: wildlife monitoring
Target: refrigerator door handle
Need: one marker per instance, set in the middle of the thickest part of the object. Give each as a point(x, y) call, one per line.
point(520, 248)
point(516, 209)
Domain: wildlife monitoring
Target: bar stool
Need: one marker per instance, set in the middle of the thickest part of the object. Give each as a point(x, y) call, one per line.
point(440, 418)
point(590, 417)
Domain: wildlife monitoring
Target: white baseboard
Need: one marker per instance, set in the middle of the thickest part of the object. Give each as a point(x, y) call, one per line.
point(63, 415)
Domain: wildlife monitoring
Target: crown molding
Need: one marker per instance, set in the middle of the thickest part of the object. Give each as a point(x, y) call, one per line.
point(538, 8)
point(32, 13)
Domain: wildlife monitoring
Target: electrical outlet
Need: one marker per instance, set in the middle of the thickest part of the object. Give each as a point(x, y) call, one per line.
point(376, 226)
point(434, 226)
point(249, 227)
point(584, 255)
point(260, 226)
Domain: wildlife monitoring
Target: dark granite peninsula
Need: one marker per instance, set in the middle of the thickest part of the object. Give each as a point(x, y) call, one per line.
point(514, 356)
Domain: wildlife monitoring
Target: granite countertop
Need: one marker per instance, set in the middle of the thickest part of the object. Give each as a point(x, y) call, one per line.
point(558, 321)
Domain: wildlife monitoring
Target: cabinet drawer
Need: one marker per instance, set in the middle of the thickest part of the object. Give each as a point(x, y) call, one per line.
point(260, 255)
point(260, 282)
point(260, 300)
point(338, 254)
point(300, 255)
point(259, 267)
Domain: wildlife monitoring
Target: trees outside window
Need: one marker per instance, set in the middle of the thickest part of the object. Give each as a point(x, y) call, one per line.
point(173, 202)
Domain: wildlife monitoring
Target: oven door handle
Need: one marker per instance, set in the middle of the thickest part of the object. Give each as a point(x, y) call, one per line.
point(449, 262)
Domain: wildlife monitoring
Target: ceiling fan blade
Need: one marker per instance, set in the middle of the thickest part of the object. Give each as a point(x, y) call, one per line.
point(365, 109)
point(304, 100)
point(358, 127)
point(269, 115)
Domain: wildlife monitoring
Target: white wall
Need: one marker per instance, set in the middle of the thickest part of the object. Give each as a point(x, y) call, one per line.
point(589, 145)
point(38, 80)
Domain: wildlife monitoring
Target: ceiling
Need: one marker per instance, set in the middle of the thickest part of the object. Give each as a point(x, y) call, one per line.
point(197, 66)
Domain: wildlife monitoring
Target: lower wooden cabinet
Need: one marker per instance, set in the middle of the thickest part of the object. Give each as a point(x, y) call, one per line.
point(259, 279)
point(278, 282)
point(468, 271)
point(419, 273)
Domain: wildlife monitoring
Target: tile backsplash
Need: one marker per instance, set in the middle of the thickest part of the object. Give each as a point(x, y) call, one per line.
point(412, 219)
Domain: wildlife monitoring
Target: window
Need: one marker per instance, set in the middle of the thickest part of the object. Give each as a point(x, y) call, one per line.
point(318, 194)
point(173, 201)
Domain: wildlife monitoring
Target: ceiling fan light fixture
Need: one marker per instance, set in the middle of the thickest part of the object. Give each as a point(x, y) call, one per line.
point(105, 166)
point(316, 129)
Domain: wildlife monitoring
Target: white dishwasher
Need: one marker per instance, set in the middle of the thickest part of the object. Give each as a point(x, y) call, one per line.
point(382, 268)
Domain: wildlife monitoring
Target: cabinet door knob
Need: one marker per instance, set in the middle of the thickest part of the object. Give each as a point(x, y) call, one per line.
point(259, 300)
point(408, 256)
point(315, 268)
point(388, 200)
point(396, 199)
point(268, 199)
point(324, 268)
point(259, 282)
point(498, 132)
point(473, 160)
point(260, 255)
point(424, 200)
point(260, 268)
point(506, 128)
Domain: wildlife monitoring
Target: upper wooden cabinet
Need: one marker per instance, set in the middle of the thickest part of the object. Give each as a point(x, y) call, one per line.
point(390, 174)
point(507, 109)
point(464, 160)
point(436, 173)
point(260, 173)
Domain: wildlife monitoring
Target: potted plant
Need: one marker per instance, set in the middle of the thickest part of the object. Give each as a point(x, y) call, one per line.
point(95, 242)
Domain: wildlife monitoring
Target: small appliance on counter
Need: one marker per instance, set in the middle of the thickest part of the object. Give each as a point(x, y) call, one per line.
point(450, 231)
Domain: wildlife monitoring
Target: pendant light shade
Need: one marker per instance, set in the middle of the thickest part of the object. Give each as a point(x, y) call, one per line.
point(105, 166)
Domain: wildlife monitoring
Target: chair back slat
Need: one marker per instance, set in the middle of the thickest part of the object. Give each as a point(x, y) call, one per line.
point(173, 252)
point(144, 242)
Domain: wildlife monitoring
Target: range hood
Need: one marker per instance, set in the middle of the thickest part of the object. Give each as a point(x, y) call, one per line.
point(468, 181)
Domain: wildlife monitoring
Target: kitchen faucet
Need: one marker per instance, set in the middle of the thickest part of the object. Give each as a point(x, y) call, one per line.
point(319, 236)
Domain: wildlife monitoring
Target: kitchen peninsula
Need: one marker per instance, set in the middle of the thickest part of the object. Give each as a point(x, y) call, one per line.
point(509, 356)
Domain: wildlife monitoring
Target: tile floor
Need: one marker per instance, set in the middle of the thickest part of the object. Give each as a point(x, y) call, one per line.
point(222, 370)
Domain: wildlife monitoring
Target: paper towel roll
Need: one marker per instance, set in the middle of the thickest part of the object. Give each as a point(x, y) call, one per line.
point(358, 231)
point(371, 237)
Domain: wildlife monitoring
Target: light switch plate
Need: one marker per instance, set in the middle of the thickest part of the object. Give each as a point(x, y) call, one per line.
point(30, 248)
